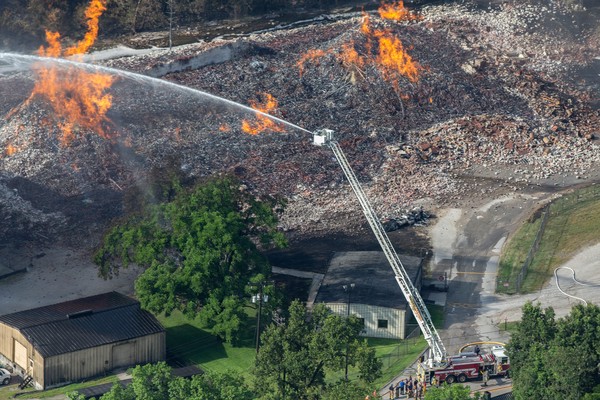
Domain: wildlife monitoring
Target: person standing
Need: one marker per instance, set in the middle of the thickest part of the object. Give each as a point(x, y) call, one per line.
point(486, 376)
point(401, 387)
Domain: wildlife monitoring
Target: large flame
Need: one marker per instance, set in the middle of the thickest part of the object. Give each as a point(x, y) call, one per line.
point(77, 97)
point(396, 12)
point(392, 59)
point(262, 123)
point(92, 15)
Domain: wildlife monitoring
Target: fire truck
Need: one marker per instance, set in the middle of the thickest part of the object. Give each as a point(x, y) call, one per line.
point(449, 369)
point(465, 366)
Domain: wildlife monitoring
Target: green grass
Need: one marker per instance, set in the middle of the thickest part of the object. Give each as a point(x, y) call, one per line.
point(190, 342)
point(515, 254)
point(510, 327)
point(9, 391)
point(573, 224)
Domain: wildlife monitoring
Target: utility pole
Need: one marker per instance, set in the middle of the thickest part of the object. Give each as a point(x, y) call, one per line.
point(347, 289)
point(260, 298)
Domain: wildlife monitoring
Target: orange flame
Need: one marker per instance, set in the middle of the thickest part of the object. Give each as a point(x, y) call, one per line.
point(262, 122)
point(365, 28)
point(10, 150)
point(350, 57)
point(396, 12)
point(78, 97)
point(310, 55)
point(393, 59)
point(92, 14)
point(225, 128)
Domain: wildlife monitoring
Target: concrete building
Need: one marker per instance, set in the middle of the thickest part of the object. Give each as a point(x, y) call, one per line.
point(78, 339)
point(362, 283)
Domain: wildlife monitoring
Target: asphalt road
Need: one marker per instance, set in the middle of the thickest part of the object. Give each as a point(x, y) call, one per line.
point(469, 256)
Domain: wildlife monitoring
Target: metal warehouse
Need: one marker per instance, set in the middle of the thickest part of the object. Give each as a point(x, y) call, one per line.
point(78, 339)
point(361, 283)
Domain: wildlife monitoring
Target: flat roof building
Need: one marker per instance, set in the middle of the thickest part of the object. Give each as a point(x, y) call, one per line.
point(362, 283)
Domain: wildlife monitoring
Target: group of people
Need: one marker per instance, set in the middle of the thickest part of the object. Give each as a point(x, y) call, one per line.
point(409, 387)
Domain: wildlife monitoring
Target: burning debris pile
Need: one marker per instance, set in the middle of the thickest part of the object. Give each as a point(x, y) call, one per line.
point(417, 101)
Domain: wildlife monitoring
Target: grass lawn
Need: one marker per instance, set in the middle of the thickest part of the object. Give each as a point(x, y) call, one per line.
point(510, 327)
point(189, 342)
point(573, 224)
point(7, 392)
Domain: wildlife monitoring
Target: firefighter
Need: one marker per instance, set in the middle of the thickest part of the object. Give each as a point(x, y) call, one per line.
point(486, 376)
point(499, 368)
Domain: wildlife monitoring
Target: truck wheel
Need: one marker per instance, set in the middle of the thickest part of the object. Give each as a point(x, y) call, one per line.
point(450, 379)
point(5, 381)
point(462, 378)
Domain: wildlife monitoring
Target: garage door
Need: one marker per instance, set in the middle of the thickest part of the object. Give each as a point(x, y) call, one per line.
point(123, 355)
point(21, 355)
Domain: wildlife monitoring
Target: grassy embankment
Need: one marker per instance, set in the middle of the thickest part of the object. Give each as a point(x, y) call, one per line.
point(573, 224)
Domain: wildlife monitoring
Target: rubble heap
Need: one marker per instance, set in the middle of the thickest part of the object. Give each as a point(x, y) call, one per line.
point(492, 99)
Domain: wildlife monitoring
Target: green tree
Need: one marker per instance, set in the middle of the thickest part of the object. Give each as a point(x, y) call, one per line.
point(154, 381)
point(553, 359)
point(345, 390)
point(198, 251)
point(450, 392)
point(294, 357)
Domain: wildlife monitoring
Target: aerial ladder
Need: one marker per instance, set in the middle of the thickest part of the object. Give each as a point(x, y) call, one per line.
point(324, 137)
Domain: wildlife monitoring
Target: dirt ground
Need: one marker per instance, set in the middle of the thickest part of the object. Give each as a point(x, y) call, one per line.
point(54, 274)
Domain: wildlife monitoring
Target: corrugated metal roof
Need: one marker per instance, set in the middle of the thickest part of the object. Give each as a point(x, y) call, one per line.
point(374, 280)
point(102, 319)
point(59, 311)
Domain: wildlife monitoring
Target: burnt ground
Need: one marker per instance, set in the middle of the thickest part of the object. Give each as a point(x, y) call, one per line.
point(313, 253)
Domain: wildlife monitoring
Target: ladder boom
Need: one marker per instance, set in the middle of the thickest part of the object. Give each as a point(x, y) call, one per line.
point(413, 298)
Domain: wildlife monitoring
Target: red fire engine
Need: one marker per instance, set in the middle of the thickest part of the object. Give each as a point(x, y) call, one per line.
point(468, 366)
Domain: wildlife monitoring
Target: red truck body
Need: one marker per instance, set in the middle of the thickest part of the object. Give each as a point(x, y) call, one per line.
point(465, 367)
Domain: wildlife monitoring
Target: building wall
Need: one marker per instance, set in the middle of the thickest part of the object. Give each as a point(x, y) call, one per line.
point(373, 319)
point(71, 367)
point(77, 365)
point(8, 337)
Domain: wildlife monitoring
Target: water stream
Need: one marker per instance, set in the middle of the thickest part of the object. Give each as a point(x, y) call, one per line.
point(11, 63)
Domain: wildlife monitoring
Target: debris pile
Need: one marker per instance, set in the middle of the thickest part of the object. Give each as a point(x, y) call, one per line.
point(492, 98)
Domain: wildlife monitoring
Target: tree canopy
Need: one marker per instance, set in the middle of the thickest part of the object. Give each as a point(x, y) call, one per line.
point(155, 382)
point(199, 251)
point(294, 357)
point(451, 392)
point(556, 359)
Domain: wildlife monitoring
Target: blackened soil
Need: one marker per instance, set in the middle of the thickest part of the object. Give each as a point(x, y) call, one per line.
point(314, 253)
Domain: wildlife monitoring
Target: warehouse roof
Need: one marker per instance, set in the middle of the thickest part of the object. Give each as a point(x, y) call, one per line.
point(374, 280)
point(83, 323)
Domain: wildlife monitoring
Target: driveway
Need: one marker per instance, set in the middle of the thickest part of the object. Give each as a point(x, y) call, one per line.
point(466, 246)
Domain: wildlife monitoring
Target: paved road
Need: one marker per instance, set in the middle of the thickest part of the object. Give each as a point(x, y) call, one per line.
point(466, 246)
